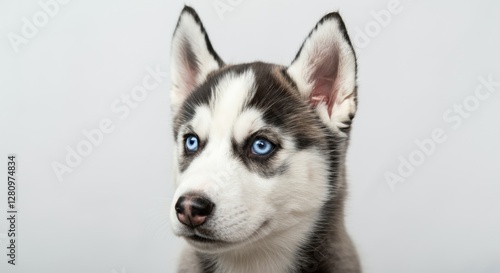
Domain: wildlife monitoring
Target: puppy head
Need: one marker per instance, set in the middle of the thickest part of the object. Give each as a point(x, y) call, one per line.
point(257, 145)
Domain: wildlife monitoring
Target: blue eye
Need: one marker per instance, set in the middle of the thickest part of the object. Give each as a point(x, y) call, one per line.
point(192, 144)
point(262, 147)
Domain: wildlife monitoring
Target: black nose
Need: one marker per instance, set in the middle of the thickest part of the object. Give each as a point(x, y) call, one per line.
point(193, 210)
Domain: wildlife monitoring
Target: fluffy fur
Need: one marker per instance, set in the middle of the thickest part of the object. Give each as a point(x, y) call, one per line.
point(282, 213)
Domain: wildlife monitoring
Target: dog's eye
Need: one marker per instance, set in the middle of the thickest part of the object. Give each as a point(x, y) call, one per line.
point(262, 147)
point(192, 143)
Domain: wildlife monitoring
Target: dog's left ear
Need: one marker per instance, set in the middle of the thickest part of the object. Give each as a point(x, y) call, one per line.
point(192, 57)
point(325, 73)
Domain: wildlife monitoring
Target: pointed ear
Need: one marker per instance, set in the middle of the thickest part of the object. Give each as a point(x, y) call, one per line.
point(325, 73)
point(192, 57)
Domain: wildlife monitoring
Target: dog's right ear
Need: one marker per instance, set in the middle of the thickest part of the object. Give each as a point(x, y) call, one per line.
point(325, 72)
point(192, 57)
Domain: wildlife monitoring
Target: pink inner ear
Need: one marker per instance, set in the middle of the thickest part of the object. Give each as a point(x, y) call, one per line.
point(324, 91)
point(189, 80)
point(325, 71)
point(190, 67)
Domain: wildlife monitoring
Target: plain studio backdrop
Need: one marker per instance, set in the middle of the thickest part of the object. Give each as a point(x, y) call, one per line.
point(423, 161)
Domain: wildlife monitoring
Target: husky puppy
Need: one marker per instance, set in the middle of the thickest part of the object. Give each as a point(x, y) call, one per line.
point(259, 162)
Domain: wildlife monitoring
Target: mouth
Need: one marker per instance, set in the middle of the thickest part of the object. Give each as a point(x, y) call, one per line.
point(199, 238)
point(204, 239)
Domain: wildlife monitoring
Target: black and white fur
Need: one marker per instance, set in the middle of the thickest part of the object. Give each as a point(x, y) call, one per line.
point(275, 214)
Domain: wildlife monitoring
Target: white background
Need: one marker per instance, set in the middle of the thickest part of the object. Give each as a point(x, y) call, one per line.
point(110, 214)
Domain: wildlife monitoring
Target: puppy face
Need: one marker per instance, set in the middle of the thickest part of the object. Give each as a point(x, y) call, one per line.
point(256, 144)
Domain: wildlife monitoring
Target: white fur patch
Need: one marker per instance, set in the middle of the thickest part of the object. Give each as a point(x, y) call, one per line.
point(202, 121)
point(248, 123)
point(232, 93)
